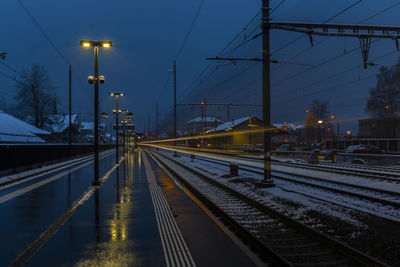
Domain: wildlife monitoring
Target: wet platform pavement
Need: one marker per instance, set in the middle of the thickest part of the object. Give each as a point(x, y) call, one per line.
point(123, 223)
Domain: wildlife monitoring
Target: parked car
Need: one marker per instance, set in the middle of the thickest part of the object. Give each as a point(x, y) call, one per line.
point(364, 149)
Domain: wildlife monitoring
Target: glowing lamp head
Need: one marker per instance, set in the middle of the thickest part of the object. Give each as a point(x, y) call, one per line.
point(111, 94)
point(86, 44)
point(320, 121)
point(106, 44)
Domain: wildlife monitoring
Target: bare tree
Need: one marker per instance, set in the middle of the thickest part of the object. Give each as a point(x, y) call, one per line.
point(35, 95)
point(384, 99)
point(3, 104)
point(317, 120)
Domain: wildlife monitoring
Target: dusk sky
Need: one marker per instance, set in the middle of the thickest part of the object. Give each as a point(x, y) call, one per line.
point(146, 37)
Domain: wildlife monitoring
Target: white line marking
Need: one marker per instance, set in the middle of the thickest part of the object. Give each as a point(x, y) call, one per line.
point(51, 170)
point(41, 183)
point(178, 252)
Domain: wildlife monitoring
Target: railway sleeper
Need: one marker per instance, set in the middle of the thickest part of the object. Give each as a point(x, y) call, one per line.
point(298, 246)
point(341, 262)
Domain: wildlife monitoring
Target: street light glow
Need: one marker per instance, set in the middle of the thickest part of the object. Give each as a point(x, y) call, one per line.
point(320, 121)
point(86, 43)
point(106, 44)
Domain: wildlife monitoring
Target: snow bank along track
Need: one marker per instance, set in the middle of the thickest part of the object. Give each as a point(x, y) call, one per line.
point(273, 236)
point(365, 171)
point(376, 195)
point(387, 174)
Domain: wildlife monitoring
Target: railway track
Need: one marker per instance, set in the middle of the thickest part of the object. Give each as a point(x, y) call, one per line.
point(382, 196)
point(388, 174)
point(269, 233)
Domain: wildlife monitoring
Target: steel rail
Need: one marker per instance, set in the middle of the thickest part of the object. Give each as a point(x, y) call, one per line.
point(335, 190)
point(262, 250)
point(342, 248)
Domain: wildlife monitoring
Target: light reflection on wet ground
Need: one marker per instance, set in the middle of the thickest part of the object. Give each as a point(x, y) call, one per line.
point(116, 227)
point(25, 217)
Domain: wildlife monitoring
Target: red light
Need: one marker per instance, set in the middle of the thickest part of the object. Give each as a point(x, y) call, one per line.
point(145, 134)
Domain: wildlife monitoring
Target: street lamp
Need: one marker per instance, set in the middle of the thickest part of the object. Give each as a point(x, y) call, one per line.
point(116, 111)
point(105, 116)
point(95, 80)
point(125, 118)
point(319, 130)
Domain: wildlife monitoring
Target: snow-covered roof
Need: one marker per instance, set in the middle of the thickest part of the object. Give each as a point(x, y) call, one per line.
point(206, 119)
point(16, 130)
point(87, 125)
point(61, 122)
point(229, 124)
point(285, 125)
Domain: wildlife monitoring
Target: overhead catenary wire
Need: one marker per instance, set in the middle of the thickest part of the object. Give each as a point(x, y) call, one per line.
point(326, 21)
point(48, 39)
point(222, 52)
point(182, 46)
point(325, 39)
point(286, 45)
point(164, 87)
point(328, 78)
point(8, 66)
point(277, 6)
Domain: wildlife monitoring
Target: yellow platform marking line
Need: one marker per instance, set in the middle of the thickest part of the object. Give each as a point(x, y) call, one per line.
point(174, 246)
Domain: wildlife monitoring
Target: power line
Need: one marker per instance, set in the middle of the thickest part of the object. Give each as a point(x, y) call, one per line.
point(344, 10)
point(189, 30)
point(380, 12)
point(325, 39)
point(342, 72)
point(318, 65)
point(224, 50)
point(326, 21)
point(12, 78)
point(277, 7)
point(8, 66)
point(37, 25)
point(164, 87)
point(235, 76)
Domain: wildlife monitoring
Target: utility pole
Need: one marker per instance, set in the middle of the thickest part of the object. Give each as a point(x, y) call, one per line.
point(175, 99)
point(96, 116)
point(148, 123)
point(266, 89)
point(157, 120)
point(70, 114)
point(204, 114)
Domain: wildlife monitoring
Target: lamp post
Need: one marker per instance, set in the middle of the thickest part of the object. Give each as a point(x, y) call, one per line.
point(95, 80)
point(116, 111)
point(319, 130)
point(104, 115)
point(124, 122)
point(129, 116)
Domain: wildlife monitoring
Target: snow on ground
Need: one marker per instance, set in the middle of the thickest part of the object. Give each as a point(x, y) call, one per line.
point(356, 180)
point(275, 197)
point(42, 169)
